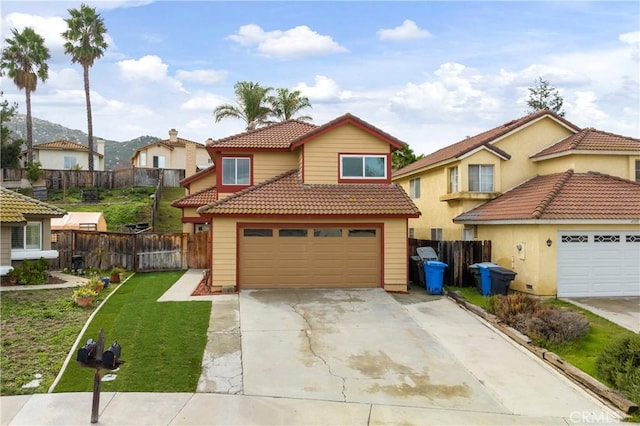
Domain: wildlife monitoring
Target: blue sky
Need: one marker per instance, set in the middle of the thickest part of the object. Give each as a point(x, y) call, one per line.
point(430, 73)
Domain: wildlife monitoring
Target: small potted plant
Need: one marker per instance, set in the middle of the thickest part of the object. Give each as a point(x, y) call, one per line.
point(115, 274)
point(83, 296)
point(95, 283)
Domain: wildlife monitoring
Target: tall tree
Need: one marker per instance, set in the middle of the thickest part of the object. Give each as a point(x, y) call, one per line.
point(85, 43)
point(251, 105)
point(403, 157)
point(285, 104)
point(544, 96)
point(9, 148)
point(24, 59)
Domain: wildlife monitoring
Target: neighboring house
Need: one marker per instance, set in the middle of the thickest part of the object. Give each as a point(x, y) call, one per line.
point(83, 221)
point(300, 205)
point(65, 155)
point(560, 204)
point(172, 153)
point(25, 225)
point(200, 190)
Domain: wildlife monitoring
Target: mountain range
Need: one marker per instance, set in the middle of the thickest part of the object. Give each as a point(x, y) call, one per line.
point(116, 153)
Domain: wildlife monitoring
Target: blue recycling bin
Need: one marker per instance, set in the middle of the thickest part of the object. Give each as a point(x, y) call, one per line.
point(434, 274)
point(485, 277)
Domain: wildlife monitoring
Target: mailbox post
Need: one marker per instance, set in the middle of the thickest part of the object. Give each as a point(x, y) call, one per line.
point(91, 355)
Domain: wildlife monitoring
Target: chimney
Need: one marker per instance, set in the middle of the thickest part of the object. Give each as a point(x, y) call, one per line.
point(173, 135)
point(190, 159)
point(100, 146)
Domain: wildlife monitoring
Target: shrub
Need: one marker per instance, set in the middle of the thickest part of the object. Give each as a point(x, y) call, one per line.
point(543, 324)
point(34, 171)
point(32, 272)
point(619, 365)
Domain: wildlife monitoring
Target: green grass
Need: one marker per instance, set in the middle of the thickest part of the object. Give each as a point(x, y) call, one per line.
point(169, 218)
point(38, 328)
point(471, 294)
point(162, 343)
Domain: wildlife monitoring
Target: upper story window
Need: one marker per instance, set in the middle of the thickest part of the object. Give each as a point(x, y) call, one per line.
point(637, 170)
point(363, 166)
point(414, 188)
point(481, 178)
point(453, 180)
point(28, 237)
point(158, 161)
point(143, 159)
point(436, 234)
point(236, 171)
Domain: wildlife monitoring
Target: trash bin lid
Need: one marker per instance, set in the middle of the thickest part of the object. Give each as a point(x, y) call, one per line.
point(487, 265)
point(499, 270)
point(427, 253)
point(436, 263)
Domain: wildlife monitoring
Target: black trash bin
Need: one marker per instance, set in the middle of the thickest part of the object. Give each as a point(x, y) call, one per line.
point(501, 279)
point(482, 277)
point(77, 263)
point(416, 273)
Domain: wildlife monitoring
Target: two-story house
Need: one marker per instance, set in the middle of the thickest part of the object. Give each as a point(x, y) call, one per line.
point(172, 153)
point(66, 155)
point(560, 204)
point(300, 205)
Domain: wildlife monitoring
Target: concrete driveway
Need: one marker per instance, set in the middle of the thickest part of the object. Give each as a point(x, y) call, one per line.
point(624, 311)
point(361, 345)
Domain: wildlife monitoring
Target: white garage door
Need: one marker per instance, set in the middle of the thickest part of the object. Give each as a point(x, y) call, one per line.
point(598, 263)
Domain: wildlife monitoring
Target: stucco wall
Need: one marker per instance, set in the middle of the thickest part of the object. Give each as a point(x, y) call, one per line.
point(623, 166)
point(54, 159)
point(395, 249)
point(321, 154)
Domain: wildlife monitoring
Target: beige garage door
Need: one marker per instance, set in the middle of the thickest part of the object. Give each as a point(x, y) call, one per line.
point(307, 256)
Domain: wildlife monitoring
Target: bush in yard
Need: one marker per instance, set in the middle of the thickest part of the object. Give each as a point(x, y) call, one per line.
point(32, 272)
point(543, 324)
point(619, 365)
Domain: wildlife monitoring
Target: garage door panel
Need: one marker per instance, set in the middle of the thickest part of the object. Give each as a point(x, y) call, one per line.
point(325, 257)
point(598, 263)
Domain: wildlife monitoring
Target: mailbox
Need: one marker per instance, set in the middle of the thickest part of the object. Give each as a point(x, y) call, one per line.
point(87, 352)
point(111, 356)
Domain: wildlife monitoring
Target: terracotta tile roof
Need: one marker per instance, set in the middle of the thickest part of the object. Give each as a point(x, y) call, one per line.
point(64, 145)
point(287, 195)
point(197, 199)
point(590, 139)
point(16, 208)
point(469, 144)
point(563, 196)
point(279, 135)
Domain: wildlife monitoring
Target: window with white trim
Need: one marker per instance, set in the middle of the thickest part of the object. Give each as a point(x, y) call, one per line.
point(481, 178)
point(158, 161)
point(236, 171)
point(28, 237)
point(363, 166)
point(414, 188)
point(637, 170)
point(436, 234)
point(453, 180)
point(143, 159)
point(412, 232)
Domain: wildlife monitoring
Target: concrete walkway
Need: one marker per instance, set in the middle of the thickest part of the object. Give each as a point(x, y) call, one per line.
point(71, 281)
point(517, 388)
point(624, 311)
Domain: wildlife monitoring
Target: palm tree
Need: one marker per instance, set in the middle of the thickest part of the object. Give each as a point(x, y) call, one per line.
point(24, 59)
point(85, 43)
point(286, 104)
point(251, 105)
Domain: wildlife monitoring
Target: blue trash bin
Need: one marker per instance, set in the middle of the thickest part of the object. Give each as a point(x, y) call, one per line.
point(434, 274)
point(485, 277)
point(105, 281)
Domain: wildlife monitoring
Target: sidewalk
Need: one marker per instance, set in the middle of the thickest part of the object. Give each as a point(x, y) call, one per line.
point(71, 281)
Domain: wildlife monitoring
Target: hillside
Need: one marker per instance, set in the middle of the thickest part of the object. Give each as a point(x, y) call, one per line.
point(117, 153)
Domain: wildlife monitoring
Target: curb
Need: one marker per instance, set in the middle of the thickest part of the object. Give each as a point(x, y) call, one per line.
point(603, 392)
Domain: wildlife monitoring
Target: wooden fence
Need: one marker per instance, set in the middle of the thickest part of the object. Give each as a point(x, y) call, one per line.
point(142, 252)
point(199, 251)
point(109, 179)
point(458, 255)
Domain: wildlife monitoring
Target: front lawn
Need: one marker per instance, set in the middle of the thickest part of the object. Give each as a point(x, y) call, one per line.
point(162, 342)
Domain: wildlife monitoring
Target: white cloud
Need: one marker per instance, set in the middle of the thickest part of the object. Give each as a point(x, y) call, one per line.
point(203, 101)
point(585, 106)
point(296, 42)
point(324, 89)
point(149, 68)
point(202, 76)
point(407, 31)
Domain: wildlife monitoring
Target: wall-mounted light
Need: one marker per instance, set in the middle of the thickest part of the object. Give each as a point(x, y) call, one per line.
point(519, 247)
point(549, 242)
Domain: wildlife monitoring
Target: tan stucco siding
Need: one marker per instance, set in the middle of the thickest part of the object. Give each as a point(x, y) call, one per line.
point(54, 159)
point(482, 157)
point(5, 245)
point(203, 157)
point(269, 164)
point(224, 259)
point(615, 165)
point(521, 145)
point(537, 272)
point(321, 154)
